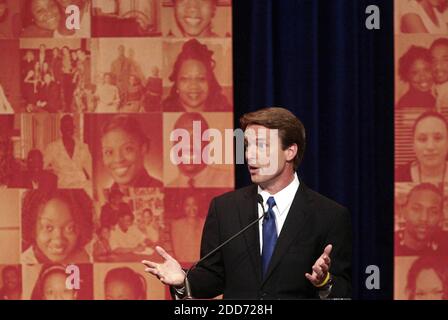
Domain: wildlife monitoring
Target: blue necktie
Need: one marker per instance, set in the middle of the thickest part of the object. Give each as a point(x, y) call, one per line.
point(269, 235)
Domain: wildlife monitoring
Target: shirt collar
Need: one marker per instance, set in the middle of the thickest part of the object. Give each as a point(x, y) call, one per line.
point(284, 197)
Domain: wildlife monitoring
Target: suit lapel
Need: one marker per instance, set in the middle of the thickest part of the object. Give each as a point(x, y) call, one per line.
point(248, 213)
point(293, 225)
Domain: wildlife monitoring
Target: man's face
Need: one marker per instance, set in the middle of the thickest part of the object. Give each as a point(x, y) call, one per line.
point(423, 214)
point(155, 72)
point(191, 207)
point(194, 16)
point(105, 233)
point(35, 162)
point(11, 279)
point(192, 162)
point(125, 222)
point(264, 155)
point(67, 127)
point(116, 199)
point(121, 51)
point(439, 56)
point(47, 78)
point(107, 79)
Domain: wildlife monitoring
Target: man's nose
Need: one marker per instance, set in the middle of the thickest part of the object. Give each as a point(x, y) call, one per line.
point(251, 153)
point(57, 234)
point(117, 156)
point(430, 144)
point(423, 218)
point(192, 84)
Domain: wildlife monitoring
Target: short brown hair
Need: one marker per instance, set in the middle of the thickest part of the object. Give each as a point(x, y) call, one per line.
point(290, 128)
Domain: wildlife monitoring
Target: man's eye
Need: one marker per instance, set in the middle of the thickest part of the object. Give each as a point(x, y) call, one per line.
point(422, 138)
point(49, 228)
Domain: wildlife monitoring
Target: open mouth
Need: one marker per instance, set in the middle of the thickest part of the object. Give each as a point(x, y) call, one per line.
point(121, 171)
point(194, 95)
point(190, 157)
point(425, 86)
point(194, 22)
point(52, 21)
point(253, 169)
point(56, 250)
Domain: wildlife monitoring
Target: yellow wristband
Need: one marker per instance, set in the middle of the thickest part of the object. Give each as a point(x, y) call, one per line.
point(327, 278)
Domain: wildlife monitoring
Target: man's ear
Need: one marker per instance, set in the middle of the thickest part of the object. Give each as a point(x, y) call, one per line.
point(291, 152)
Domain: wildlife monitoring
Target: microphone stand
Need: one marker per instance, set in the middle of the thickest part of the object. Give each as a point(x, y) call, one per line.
point(188, 295)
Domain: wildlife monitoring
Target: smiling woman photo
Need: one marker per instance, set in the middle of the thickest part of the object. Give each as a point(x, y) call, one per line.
point(414, 69)
point(41, 18)
point(194, 17)
point(56, 226)
point(124, 147)
point(195, 87)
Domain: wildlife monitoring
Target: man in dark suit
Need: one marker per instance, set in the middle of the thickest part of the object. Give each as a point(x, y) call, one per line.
point(35, 177)
point(301, 248)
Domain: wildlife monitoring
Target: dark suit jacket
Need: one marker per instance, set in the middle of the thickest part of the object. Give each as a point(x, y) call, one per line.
point(313, 222)
point(46, 180)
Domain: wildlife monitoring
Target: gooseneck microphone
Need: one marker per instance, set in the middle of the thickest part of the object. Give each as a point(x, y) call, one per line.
point(188, 295)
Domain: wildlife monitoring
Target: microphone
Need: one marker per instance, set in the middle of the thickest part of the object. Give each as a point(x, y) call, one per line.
point(188, 295)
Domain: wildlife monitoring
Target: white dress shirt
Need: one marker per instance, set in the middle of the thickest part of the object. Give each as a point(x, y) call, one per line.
point(70, 170)
point(283, 200)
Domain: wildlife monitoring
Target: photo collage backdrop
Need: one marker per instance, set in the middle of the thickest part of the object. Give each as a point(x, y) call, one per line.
point(86, 170)
point(421, 149)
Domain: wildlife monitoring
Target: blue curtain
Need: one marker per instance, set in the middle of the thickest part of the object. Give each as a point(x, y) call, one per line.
point(316, 58)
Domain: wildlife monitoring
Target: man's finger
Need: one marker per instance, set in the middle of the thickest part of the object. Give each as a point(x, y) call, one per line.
point(310, 277)
point(318, 271)
point(320, 262)
point(163, 253)
point(328, 249)
point(152, 271)
point(149, 264)
point(324, 268)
